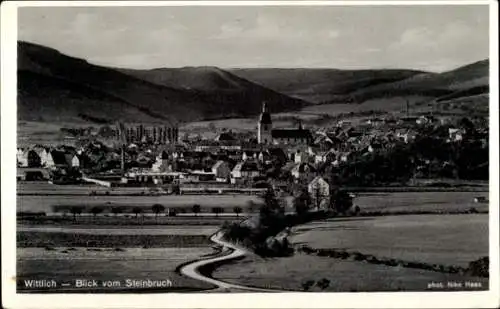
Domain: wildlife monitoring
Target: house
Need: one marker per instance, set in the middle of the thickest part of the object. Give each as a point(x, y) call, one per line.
point(72, 160)
point(375, 121)
point(324, 156)
point(300, 157)
point(408, 120)
point(302, 171)
point(225, 136)
point(22, 157)
point(222, 171)
point(199, 176)
point(455, 134)
point(247, 155)
point(423, 120)
point(344, 123)
point(29, 158)
point(43, 153)
point(406, 136)
point(375, 147)
point(244, 171)
point(346, 156)
point(162, 163)
point(319, 191)
point(264, 157)
point(56, 159)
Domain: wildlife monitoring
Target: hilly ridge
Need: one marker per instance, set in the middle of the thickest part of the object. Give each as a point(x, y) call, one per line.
point(327, 86)
point(230, 92)
point(57, 87)
point(321, 85)
point(54, 86)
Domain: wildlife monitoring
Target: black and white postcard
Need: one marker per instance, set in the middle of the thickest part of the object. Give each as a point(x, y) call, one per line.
point(250, 154)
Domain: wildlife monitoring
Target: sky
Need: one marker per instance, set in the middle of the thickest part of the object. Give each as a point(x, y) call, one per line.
point(434, 38)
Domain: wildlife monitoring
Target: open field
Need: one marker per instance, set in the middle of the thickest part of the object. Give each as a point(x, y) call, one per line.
point(440, 239)
point(34, 203)
point(420, 201)
point(94, 235)
point(45, 188)
point(128, 221)
point(124, 230)
point(344, 275)
point(67, 265)
point(58, 239)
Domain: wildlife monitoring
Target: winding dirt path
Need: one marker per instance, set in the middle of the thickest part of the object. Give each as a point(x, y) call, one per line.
point(191, 269)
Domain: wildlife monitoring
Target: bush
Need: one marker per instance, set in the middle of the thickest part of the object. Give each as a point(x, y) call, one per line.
point(323, 283)
point(479, 267)
point(306, 285)
point(359, 256)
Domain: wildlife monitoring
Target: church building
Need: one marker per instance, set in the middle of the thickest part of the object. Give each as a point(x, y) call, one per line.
point(266, 134)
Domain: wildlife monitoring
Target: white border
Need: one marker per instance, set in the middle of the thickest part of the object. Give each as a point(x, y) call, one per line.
point(485, 299)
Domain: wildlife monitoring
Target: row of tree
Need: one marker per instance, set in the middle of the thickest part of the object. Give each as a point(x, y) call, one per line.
point(157, 209)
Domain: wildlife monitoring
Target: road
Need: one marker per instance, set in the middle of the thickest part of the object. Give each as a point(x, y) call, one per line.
point(191, 269)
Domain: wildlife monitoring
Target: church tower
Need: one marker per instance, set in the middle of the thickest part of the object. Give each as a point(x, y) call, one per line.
point(264, 126)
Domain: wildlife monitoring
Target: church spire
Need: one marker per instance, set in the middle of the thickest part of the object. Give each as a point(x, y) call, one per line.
point(265, 117)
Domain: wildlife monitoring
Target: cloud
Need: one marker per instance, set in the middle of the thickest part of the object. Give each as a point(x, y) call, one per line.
point(423, 38)
point(271, 27)
point(329, 36)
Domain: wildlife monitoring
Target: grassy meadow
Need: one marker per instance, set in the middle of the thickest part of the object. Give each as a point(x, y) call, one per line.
point(439, 239)
point(344, 275)
point(420, 201)
point(68, 264)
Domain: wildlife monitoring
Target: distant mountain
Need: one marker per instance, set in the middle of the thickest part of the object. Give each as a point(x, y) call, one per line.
point(358, 86)
point(56, 87)
point(227, 91)
point(457, 82)
point(322, 85)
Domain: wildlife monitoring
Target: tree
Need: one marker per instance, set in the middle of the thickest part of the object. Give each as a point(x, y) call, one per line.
point(196, 209)
point(237, 210)
point(157, 209)
point(76, 210)
point(137, 211)
point(323, 283)
point(340, 201)
point(251, 206)
point(217, 210)
point(96, 210)
point(270, 199)
point(301, 202)
point(306, 285)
